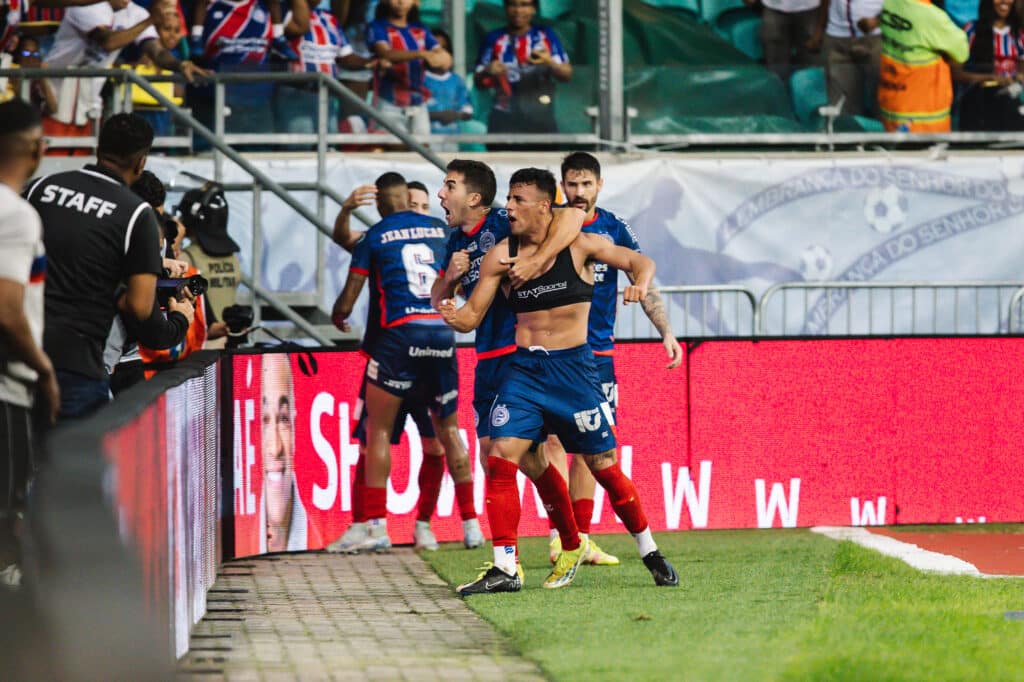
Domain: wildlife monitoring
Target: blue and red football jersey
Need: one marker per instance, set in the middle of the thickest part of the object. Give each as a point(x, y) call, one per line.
point(601, 325)
point(14, 13)
point(322, 45)
point(496, 334)
point(1007, 49)
point(402, 257)
point(514, 52)
point(402, 84)
point(236, 34)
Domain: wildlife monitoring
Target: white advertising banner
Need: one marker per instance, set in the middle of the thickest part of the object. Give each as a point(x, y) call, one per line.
point(752, 222)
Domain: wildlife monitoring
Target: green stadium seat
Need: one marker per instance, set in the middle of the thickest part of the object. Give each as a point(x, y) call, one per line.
point(742, 28)
point(689, 6)
point(472, 127)
point(712, 9)
point(808, 92)
point(552, 9)
point(667, 37)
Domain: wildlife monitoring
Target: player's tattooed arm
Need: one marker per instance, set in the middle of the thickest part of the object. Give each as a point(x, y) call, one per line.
point(347, 300)
point(469, 316)
point(632, 262)
point(565, 227)
point(654, 308)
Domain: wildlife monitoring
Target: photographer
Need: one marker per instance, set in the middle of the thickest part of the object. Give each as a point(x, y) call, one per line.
point(100, 236)
point(125, 359)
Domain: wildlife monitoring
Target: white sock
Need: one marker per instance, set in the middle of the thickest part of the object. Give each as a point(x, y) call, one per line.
point(377, 526)
point(645, 542)
point(423, 524)
point(276, 30)
point(552, 534)
point(197, 32)
point(505, 558)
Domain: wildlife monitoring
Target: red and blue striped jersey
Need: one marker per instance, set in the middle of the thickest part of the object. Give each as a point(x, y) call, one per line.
point(1006, 49)
point(496, 334)
point(236, 34)
point(514, 52)
point(401, 255)
point(322, 45)
point(601, 325)
point(402, 84)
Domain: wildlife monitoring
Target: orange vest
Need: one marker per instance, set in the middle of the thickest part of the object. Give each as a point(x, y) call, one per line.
point(194, 339)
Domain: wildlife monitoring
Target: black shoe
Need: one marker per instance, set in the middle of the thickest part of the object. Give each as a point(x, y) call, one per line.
point(662, 571)
point(491, 580)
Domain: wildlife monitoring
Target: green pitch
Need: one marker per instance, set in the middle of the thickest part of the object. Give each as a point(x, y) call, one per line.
point(753, 605)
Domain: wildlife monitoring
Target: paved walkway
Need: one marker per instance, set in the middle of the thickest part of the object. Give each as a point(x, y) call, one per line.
point(334, 617)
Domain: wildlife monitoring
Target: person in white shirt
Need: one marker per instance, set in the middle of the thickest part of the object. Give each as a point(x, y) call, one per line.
point(849, 35)
point(786, 30)
point(27, 377)
point(93, 36)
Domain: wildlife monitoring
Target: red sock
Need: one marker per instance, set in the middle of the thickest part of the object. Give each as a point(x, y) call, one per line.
point(623, 496)
point(502, 501)
point(464, 496)
point(375, 502)
point(554, 493)
point(358, 492)
point(431, 472)
point(583, 510)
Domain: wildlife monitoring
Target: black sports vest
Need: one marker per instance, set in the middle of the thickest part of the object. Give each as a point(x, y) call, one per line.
point(561, 285)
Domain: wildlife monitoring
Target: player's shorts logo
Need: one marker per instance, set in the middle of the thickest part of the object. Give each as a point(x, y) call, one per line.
point(486, 241)
point(588, 420)
point(611, 392)
point(499, 415)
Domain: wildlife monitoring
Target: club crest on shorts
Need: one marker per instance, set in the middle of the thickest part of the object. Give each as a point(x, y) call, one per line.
point(499, 415)
point(486, 241)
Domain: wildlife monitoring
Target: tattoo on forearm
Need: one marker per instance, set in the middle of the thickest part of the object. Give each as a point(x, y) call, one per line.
point(654, 308)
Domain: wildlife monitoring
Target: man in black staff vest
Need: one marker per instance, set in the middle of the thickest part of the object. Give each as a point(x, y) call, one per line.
point(98, 237)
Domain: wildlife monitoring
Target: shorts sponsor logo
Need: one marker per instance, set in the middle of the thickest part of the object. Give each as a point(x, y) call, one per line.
point(399, 385)
point(499, 415)
point(588, 420)
point(448, 397)
point(611, 392)
point(417, 352)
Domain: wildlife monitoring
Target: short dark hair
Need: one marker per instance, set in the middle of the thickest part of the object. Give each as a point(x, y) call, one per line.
point(150, 189)
point(540, 178)
point(535, 4)
point(16, 117)
point(124, 138)
point(478, 177)
point(416, 184)
point(441, 33)
point(390, 180)
point(581, 161)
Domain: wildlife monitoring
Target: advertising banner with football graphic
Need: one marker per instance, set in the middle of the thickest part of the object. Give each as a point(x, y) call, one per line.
point(747, 221)
point(744, 435)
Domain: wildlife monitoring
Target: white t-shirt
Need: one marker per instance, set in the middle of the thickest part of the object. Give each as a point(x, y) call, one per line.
point(72, 47)
point(24, 262)
point(791, 6)
point(843, 16)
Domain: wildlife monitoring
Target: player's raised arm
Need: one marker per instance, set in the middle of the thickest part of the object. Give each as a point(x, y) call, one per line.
point(343, 235)
point(492, 271)
point(565, 227)
point(347, 300)
point(638, 265)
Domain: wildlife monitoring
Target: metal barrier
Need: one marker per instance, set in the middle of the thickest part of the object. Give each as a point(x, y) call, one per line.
point(695, 312)
point(1016, 313)
point(885, 308)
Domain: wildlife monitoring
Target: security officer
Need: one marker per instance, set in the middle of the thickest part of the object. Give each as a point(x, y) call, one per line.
point(98, 236)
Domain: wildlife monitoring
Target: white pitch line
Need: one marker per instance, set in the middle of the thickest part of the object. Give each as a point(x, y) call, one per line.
point(917, 557)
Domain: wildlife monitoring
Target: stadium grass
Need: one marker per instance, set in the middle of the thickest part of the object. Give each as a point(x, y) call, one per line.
point(753, 605)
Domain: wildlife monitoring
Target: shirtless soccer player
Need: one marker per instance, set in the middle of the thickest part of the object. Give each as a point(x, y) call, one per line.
point(552, 383)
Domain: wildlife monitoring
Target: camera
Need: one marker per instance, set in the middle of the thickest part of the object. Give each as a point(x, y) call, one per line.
point(238, 318)
point(168, 287)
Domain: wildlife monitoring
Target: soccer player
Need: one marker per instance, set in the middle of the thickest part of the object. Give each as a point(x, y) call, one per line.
point(466, 196)
point(581, 184)
point(551, 384)
point(411, 354)
point(419, 198)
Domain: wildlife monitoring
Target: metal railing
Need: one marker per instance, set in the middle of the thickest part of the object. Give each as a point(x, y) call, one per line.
point(1016, 314)
point(885, 308)
point(695, 312)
